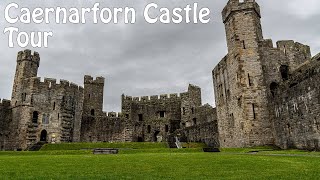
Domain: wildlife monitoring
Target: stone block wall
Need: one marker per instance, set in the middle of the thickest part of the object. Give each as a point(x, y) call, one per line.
point(5, 120)
point(297, 109)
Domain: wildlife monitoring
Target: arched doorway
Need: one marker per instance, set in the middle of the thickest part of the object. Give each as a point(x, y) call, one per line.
point(155, 136)
point(43, 136)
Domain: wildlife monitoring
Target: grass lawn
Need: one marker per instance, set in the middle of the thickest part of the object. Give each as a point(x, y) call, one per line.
point(160, 163)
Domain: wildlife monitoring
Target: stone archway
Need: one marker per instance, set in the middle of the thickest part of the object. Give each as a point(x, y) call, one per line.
point(155, 136)
point(43, 136)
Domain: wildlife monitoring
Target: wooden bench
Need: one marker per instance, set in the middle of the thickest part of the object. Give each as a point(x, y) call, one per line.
point(105, 151)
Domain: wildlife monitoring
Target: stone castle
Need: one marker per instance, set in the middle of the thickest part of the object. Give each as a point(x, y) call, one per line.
point(265, 95)
point(47, 111)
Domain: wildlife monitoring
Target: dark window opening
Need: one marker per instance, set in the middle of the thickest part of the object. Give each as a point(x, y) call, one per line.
point(127, 116)
point(243, 45)
point(58, 116)
point(162, 114)
point(89, 96)
point(192, 110)
point(92, 112)
point(231, 122)
point(149, 129)
point(284, 70)
point(194, 121)
point(167, 128)
point(35, 117)
point(249, 80)
point(254, 111)
point(140, 117)
point(43, 136)
point(184, 111)
point(239, 102)
point(273, 88)
point(54, 105)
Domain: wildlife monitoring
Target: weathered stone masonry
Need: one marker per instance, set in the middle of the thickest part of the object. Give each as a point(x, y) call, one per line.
point(265, 95)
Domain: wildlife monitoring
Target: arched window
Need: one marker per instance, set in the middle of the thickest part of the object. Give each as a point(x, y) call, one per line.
point(35, 117)
point(92, 112)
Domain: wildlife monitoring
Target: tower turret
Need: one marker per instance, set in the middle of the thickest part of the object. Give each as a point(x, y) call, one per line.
point(27, 67)
point(242, 24)
point(93, 96)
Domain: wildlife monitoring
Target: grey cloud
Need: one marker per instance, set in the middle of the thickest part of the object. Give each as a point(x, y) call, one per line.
point(144, 59)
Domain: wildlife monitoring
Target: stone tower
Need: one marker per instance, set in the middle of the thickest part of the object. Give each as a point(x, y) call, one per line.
point(93, 96)
point(27, 67)
point(92, 108)
point(240, 92)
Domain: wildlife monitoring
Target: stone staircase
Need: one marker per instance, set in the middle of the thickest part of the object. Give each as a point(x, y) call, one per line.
point(173, 142)
point(37, 146)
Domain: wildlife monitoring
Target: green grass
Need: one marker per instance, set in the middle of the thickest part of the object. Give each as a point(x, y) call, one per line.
point(168, 165)
point(155, 161)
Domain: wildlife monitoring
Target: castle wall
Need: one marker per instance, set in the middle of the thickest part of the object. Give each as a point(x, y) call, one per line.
point(203, 129)
point(159, 118)
point(5, 120)
point(51, 108)
point(152, 116)
point(297, 109)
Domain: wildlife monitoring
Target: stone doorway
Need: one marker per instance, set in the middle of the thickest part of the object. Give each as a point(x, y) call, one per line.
point(155, 136)
point(43, 136)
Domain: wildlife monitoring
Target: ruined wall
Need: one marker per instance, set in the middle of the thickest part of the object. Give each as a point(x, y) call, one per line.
point(152, 116)
point(5, 120)
point(159, 118)
point(111, 127)
point(297, 109)
point(204, 129)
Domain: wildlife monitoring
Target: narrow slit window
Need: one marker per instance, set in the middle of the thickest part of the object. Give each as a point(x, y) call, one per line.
point(249, 80)
point(254, 111)
point(243, 45)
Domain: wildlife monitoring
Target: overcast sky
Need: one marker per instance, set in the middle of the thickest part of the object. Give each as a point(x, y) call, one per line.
point(149, 59)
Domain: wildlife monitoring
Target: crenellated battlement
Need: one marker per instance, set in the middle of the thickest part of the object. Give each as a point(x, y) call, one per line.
point(27, 55)
point(153, 98)
point(89, 80)
point(51, 83)
point(5, 102)
point(289, 47)
point(237, 5)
